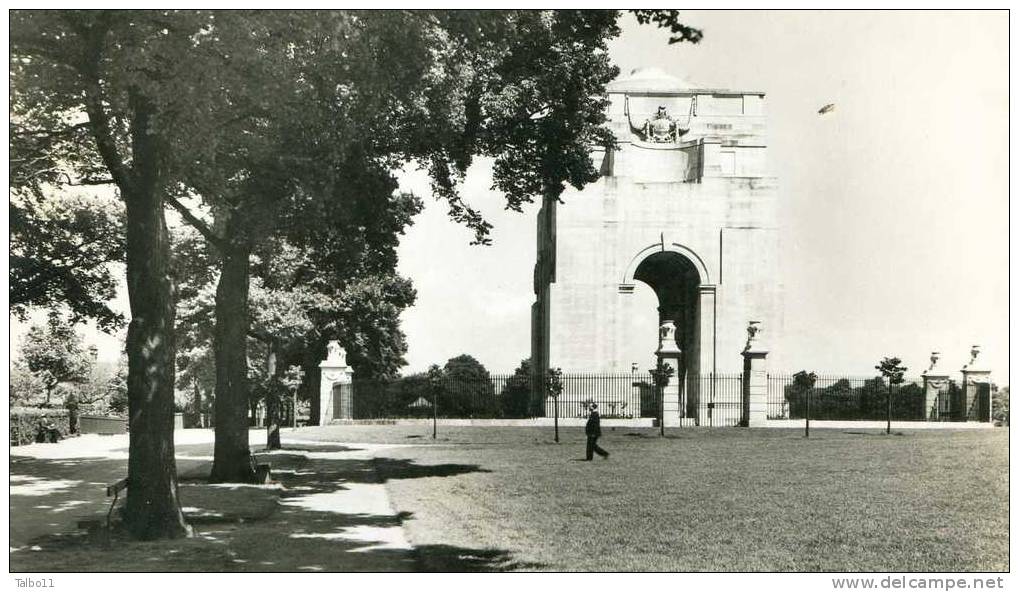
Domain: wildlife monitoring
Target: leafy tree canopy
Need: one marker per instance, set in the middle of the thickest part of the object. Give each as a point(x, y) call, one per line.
point(465, 367)
point(56, 354)
point(61, 253)
point(891, 369)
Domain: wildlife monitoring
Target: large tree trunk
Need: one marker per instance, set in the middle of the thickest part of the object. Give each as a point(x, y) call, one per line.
point(272, 402)
point(153, 509)
point(232, 456)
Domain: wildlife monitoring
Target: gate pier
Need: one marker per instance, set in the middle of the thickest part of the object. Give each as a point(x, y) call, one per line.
point(336, 389)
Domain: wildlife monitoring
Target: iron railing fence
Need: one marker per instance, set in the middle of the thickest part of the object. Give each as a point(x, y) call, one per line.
point(845, 398)
point(619, 396)
point(705, 400)
point(493, 396)
point(713, 399)
point(499, 396)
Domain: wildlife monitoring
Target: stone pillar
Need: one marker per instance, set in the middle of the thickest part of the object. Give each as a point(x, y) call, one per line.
point(335, 371)
point(669, 353)
point(755, 379)
point(706, 355)
point(935, 387)
point(706, 308)
point(976, 384)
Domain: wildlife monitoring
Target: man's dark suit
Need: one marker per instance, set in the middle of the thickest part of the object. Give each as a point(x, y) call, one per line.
point(593, 431)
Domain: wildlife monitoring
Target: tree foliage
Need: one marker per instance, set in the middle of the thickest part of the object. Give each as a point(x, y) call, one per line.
point(56, 354)
point(669, 19)
point(999, 401)
point(103, 391)
point(466, 388)
point(61, 253)
point(892, 370)
point(339, 257)
point(515, 397)
point(246, 113)
point(803, 380)
point(26, 388)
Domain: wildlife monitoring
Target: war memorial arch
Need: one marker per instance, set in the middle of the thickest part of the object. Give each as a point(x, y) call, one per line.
point(685, 206)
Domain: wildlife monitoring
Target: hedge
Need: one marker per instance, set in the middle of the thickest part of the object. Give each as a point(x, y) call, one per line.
point(25, 423)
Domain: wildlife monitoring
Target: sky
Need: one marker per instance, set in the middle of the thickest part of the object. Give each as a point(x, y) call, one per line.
point(894, 207)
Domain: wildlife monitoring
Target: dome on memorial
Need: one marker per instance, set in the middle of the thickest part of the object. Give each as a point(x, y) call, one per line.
point(648, 80)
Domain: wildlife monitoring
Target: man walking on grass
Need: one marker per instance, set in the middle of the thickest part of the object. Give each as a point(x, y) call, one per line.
point(593, 431)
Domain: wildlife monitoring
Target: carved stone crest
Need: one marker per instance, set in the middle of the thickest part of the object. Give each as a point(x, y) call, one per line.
point(662, 128)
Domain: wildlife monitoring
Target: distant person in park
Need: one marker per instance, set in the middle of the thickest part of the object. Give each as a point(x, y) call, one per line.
point(593, 431)
point(48, 431)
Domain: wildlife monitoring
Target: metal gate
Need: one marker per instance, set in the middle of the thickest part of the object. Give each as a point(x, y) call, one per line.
point(343, 395)
point(951, 403)
point(716, 400)
point(982, 402)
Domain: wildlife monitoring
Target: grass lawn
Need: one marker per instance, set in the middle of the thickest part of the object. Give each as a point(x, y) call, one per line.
point(702, 499)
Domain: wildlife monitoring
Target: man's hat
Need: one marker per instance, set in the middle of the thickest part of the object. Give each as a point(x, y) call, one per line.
point(594, 405)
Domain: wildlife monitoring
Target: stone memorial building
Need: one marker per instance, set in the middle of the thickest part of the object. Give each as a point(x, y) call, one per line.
point(686, 205)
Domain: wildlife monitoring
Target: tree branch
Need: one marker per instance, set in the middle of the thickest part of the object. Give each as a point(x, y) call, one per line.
point(198, 224)
point(202, 314)
point(260, 336)
point(83, 182)
point(98, 118)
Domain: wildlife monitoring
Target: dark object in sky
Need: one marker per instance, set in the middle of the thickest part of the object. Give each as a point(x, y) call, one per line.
point(826, 109)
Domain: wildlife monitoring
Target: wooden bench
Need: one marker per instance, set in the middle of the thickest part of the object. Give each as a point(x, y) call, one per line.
point(114, 489)
point(263, 473)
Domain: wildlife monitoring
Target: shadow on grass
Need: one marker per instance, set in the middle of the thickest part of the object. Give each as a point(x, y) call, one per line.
point(448, 558)
point(328, 516)
point(391, 468)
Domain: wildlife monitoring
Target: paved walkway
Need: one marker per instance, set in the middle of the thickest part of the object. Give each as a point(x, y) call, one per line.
point(363, 494)
point(52, 486)
point(332, 509)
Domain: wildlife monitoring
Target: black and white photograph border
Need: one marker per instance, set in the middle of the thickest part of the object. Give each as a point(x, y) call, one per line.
point(713, 298)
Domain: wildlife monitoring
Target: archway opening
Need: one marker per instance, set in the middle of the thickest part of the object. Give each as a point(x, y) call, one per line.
point(675, 282)
point(641, 338)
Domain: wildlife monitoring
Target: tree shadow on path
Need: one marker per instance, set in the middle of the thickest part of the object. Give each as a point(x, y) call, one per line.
point(330, 514)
